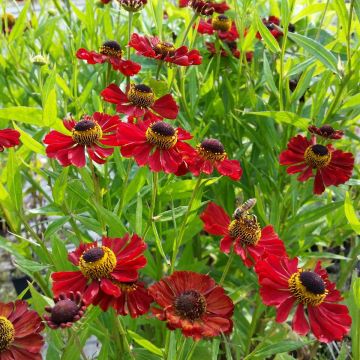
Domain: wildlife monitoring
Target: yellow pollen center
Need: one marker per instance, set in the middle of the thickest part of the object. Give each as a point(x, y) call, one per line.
point(86, 135)
point(221, 23)
point(210, 155)
point(161, 141)
point(247, 229)
point(7, 333)
point(140, 98)
point(302, 293)
point(100, 268)
point(316, 159)
point(164, 48)
point(107, 50)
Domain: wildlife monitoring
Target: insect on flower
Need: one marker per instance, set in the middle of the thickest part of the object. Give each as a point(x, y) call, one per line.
point(243, 209)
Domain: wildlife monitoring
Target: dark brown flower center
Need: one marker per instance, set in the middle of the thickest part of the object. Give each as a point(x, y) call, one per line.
point(7, 333)
point(317, 156)
point(327, 130)
point(86, 132)
point(308, 287)
point(212, 150)
point(64, 311)
point(141, 95)
point(111, 48)
point(97, 262)
point(190, 305)
point(161, 134)
point(164, 49)
point(132, 5)
point(222, 23)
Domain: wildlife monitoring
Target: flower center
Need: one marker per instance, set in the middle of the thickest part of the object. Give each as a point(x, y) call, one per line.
point(221, 22)
point(317, 156)
point(162, 135)
point(190, 305)
point(247, 229)
point(327, 130)
point(7, 333)
point(111, 48)
point(308, 287)
point(164, 49)
point(141, 95)
point(64, 311)
point(97, 262)
point(86, 132)
point(132, 5)
point(212, 150)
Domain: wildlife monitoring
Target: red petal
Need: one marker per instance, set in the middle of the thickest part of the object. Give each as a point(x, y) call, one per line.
point(114, 95)
point(109, 288)
point(215, 219)
point(166, 107)
point(300, 323)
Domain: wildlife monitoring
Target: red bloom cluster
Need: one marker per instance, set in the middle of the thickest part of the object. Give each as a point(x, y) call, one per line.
point(9, 138)
point(152, 47)
point(222, 25)
point(107, 274)
point(219, 8)
point(284, 285)
point(269, 23)
point(193, 303)
point(110, 52)
point(331, 166)
point(20, 329)
point(91, 133)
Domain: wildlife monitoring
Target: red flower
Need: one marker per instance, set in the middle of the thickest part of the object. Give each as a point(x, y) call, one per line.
point(110, 52)
point(250, 242)
point(202, 7)
point(326, 131)
point(283, 285)
point(138, 101)
point(193, 303)
point(101, 267)
point(204, 27)
point(269, 23)
point(210, 154)
point(132, 5)
point(90, 133)
point(105, 1)
point(154, 48)
point(225, 28)
point(157, 144)
point(220, 8)
point(134, 299)
point(228, 35)
point(9, 138)
point(20, 329)
point(332, 167)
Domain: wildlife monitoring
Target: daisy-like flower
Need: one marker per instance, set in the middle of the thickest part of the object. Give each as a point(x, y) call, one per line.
point(134, 299)
point(91, 133)
point(132, 5)
point(110, 51)
point(139, 100)
point(68, 308)
point(211, 154)
point(152, 47)
point(244, 233)
point(201, 7)
point(326, 131)
point(232, 47)
point(193, 303)
point(331, 166)
point(157, 144)
point(220, 8)
point(100, 267)
point(9, 138)
point(284, 285)
point(221, 24)
point(20, 329)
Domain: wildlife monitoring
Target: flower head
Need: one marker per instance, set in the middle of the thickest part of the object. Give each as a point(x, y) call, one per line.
point(139, 101)
point(20, 330)
point(7, 22)
point(68, 308)
point(211, 154)
point(134, 299)
point(331, 166)
point(152, 47)
point(284, 285)
point(270, 23)
point(101, 267)
point(157, 144)
point(202, 7)
point(9, 138)
point(132, 5)
point(244, 233)
point(110, 51)
point(222, 25)
point(193, 303)
point(91, 133)
point(40, 60)
point(326, 131)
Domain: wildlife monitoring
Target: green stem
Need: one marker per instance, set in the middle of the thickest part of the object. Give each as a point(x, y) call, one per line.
point(130, 22)
point(192, 349)
point(348, 38)
point(124, 339)
point(124, 186)
point(155, 185)
point(178, 240)
point(191, 23)
point(227, 267)
point(158, 69)
point(181, 349)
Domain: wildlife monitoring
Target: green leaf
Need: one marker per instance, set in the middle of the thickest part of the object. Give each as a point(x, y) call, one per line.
point(30, 142)
point(23, 114)
point(356, 291)
point(316, 50)
point(60, 185)
point(14, 180)
point(269, 76)
point(20, 23)
point(145, 343)
point(50, 109)
point(308, 10)
point(277, 348)
point(284, 117)
point(269, 40)
point(350, 214)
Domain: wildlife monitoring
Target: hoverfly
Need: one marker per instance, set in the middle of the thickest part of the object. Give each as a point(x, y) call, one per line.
point(244, 208)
